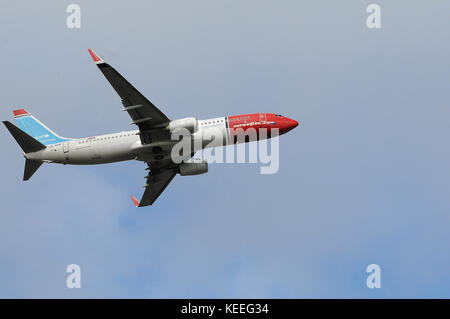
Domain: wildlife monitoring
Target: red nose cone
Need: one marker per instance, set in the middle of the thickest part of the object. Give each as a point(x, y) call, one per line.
point(287, 125)
point(293, 124)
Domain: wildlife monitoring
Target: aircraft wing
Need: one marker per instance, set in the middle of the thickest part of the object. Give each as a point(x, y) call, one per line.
point(142, 111)
point(157, 181)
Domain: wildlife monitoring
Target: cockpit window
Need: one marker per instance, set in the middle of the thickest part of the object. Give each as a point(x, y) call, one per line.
point(278, 115)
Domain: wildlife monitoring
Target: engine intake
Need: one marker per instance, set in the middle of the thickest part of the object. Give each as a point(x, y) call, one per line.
point(189, 123)
point(188, 169)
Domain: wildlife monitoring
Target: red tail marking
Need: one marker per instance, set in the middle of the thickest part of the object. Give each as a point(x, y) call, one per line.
point(20, 112)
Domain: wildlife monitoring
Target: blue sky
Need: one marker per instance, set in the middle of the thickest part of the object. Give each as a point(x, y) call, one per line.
point(365, 178)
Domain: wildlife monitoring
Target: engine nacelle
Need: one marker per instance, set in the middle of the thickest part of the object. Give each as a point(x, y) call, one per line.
point(189, 123)
point(187, 169)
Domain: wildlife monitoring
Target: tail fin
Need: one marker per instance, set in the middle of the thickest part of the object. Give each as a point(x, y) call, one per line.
point(35, 128)
point(30, 168)
point(26, 142)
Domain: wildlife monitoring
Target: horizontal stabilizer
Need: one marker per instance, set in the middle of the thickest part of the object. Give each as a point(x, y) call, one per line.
point(30, 168)
point(26, 142)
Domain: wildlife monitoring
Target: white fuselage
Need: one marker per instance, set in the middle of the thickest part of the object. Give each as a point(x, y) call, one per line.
point(118, 147)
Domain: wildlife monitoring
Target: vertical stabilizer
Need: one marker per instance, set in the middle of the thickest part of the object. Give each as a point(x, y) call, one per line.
point(36, 129)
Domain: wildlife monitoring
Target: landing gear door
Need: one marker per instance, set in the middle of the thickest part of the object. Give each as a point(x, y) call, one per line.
point(66, 147)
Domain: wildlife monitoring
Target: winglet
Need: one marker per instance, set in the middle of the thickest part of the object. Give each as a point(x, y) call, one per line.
point(95, 57)
point(135, 201)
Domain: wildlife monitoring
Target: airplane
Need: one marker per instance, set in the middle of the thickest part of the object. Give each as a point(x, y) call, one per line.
point(150, 143)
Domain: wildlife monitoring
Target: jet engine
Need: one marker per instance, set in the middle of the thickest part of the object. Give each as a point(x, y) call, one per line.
point(189, 123)
point(187, 169)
